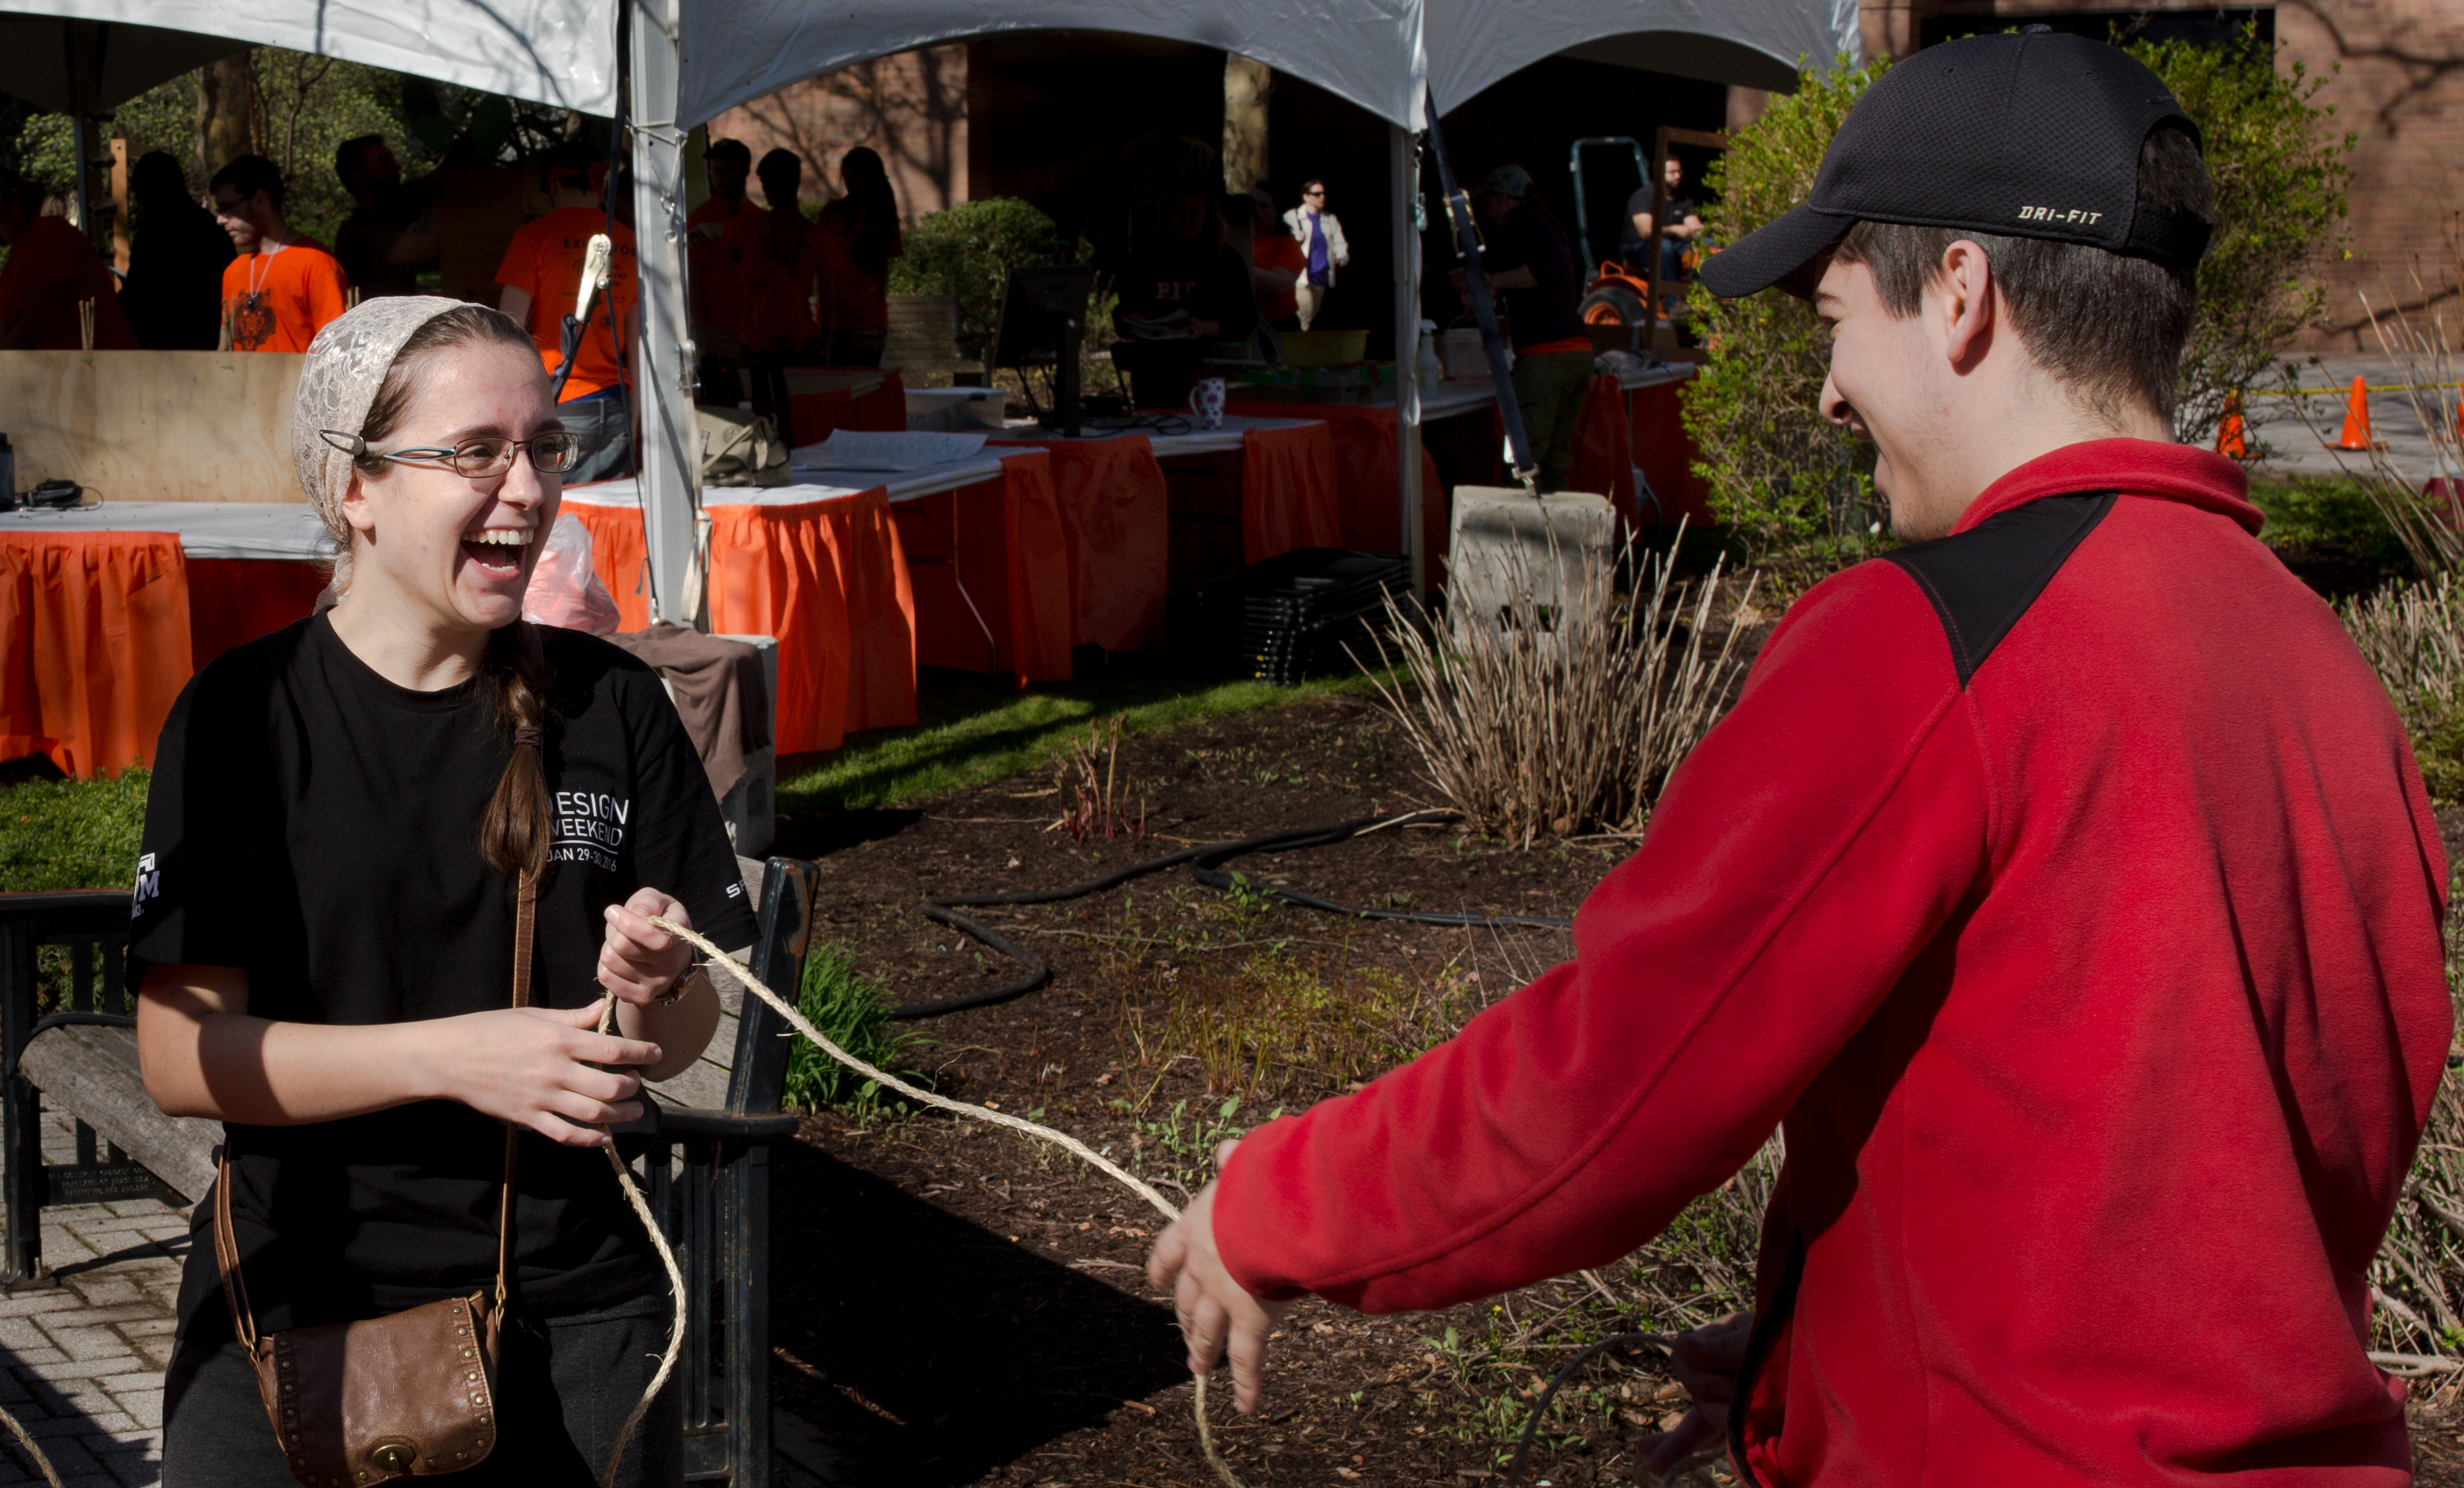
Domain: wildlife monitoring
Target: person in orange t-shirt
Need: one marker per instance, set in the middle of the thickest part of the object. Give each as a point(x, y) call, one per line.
point(1277, 264)
point(50, 268)
point(541, 275)
point(716, 253)
point(283, 287)
point(789, 264)
point(863, 225)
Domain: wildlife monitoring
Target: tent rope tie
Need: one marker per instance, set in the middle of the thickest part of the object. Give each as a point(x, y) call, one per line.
point(743, 974)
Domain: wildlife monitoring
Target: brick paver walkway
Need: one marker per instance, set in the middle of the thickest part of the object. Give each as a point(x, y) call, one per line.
point(83, 1359)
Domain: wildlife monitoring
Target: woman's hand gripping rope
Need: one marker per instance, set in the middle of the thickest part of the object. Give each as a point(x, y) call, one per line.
point(796, 1020)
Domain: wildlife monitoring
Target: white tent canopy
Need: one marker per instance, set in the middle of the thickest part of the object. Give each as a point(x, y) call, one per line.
point(560, 53)
point(1365, 51)
point(61, 66)
point(1473, 44)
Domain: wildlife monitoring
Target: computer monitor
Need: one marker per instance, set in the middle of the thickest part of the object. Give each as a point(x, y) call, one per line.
point(1043, 321)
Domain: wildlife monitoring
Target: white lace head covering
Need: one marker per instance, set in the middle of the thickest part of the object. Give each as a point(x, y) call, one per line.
point(346, 366)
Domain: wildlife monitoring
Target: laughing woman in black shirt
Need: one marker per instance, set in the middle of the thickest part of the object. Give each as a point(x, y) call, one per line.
point(325, 918)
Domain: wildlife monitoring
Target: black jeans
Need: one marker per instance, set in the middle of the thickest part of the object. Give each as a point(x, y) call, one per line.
point(564, 1389)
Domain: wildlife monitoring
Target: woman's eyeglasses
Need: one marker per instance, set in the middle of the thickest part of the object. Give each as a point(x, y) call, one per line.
point(553, 453)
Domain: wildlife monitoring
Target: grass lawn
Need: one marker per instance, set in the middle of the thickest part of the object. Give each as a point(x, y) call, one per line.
point(975, 728)
point(83, 835)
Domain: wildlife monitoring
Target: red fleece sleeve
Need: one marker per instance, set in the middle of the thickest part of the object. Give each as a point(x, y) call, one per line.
point(1801, 858)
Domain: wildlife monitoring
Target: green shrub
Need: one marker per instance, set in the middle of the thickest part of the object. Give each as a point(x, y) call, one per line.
point(72, 834)
point(1794, 489)
point(2279, 172)
point(968, 250)
point(1797, 492)
point(2329, 532)
point(855, 1013)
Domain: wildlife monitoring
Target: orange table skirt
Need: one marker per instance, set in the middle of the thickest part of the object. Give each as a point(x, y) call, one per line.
point(1290, 496)
point(94, 646)
point(815, 414)
point(1619, 431)
point(827, 578)
point(990, 565)
point(1363, 436)
point(1116, 525)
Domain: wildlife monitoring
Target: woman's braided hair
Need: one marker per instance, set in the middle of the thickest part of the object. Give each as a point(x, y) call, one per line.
point(515, 828)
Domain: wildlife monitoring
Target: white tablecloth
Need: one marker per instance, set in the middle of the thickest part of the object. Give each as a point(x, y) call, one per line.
point(207, 530)
point(902, 486)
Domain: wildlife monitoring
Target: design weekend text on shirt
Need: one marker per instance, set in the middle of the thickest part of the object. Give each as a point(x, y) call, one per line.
point(589, 827)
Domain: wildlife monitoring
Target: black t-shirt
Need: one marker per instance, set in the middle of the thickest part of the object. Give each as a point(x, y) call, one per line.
point(1639, 205)
point(1211, 282)
point(1545, 312)
point(317, 825)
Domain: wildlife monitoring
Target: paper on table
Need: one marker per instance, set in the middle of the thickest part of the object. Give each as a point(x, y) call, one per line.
point(879, 449)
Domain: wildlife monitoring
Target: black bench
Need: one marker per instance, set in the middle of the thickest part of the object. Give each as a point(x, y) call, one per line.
point(702, 1148)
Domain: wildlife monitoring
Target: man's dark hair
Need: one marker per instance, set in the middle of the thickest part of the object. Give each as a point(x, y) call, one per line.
point(1311, 182)
point(157, 171)
point(568, 165)
point(729, 149)
point(249, 175)
point(351, 159)
point(28, 194)
point(781, 172)
point(2111, 326)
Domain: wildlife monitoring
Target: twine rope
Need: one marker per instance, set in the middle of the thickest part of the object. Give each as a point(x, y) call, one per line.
point(743, 974)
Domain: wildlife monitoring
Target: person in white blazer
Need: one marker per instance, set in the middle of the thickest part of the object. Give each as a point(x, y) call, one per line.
point(1321, 238)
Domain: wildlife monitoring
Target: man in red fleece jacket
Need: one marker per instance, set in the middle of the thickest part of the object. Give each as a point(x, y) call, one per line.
point(2061, 884)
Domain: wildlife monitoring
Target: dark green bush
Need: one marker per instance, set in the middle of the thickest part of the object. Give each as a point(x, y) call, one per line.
point(855, 1013)
point(968, 250)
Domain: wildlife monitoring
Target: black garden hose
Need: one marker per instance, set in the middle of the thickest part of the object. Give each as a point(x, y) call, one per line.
point(1540, 1406)
point(1206, 862)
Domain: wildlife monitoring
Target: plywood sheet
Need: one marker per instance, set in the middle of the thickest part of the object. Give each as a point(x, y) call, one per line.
point(154, 426)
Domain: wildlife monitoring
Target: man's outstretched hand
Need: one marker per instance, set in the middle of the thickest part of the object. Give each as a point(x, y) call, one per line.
point(1708, 1360)
point(1214, 1311)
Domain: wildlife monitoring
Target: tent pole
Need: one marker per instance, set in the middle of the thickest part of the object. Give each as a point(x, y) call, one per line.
point(663, 372)
point(1403, 163)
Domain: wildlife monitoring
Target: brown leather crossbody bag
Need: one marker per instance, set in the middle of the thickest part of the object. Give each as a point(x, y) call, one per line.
point(410, 1394)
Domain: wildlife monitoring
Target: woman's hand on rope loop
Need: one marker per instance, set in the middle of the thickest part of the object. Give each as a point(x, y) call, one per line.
point(537, 1067)
point(1216, 1312)
point(638, 961)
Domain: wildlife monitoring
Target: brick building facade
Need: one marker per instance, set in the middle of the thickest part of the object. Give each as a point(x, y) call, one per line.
point(911, 107)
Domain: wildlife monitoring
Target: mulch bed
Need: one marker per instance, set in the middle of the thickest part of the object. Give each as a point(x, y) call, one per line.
point(955, 1305)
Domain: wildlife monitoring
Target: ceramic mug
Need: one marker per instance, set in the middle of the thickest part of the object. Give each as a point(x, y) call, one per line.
point(1207, 402)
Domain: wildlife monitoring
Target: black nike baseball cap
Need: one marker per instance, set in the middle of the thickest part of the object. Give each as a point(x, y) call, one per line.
point(2025, 134)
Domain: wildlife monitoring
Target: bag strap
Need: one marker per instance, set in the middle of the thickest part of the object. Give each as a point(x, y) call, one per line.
point(525, 918)
point(227, 1243)
point(226, 1256)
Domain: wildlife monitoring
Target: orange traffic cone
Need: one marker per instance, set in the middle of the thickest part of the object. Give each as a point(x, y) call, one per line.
point(2357, 419)
point(2232, 434)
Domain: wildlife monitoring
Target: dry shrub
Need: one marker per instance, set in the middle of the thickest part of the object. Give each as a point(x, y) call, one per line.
point(1094, 795)
point(1287, 1021)
point(2418, 1280)
point(1564, 718)
point(2414, 635)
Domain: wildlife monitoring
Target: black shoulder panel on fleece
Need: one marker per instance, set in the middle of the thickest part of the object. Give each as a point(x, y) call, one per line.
point(1983, 580)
